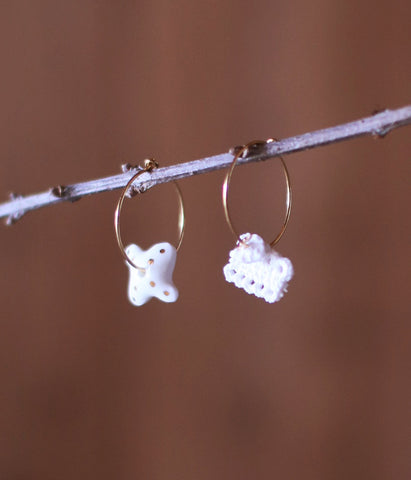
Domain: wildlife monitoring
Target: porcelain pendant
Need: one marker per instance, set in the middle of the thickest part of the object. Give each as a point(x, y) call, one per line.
point(155, 280)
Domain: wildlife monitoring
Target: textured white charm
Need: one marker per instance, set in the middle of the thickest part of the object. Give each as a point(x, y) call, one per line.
point(258, 269)
point(156, 281)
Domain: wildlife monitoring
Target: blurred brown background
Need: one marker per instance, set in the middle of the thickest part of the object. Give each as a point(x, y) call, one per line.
point(219, 385)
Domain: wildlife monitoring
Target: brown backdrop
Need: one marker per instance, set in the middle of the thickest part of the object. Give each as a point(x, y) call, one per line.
point(219, 385)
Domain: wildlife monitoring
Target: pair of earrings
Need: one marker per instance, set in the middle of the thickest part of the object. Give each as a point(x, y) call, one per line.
point(253, 264)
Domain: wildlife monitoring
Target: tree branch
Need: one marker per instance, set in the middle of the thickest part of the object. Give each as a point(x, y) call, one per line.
point(377, 125)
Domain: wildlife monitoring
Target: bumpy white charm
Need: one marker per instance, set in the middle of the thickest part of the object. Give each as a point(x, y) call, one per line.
point(156, 281)
point(258, 269)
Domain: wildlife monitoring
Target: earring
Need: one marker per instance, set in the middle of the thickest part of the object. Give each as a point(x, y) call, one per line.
point(150, 271)
point(254, 265)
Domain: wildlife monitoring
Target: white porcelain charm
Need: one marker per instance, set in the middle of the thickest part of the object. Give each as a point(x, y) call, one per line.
point(156, 280)
point(258, 269)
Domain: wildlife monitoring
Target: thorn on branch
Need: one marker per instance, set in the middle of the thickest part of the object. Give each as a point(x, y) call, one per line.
point(133, 190)
point(14, 217)
point(381, 132)
point(126, 167)
point(136, 190)
point(253, 149)
point(59, 191)
point(64, 192)
point(378, 110)
point(234, 150)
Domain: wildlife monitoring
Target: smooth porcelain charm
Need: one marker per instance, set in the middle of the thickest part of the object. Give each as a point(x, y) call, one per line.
point(258, 269)
point(155, 278)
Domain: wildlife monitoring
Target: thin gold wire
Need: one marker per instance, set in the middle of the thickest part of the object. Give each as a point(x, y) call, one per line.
point(149, 165)
point(226, 186)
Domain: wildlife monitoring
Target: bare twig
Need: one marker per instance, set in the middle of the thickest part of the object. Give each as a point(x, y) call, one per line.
point(377, 125)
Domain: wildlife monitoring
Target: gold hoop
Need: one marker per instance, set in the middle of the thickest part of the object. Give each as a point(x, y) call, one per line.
point(226, 186)
point(149, 165)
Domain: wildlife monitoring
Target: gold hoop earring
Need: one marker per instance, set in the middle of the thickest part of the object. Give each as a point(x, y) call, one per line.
point(254, 265)
point(150, 271)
